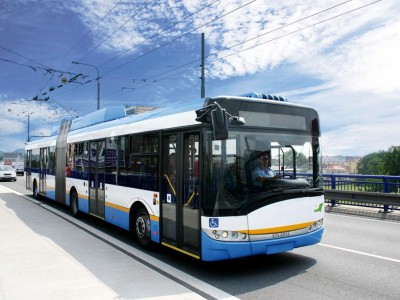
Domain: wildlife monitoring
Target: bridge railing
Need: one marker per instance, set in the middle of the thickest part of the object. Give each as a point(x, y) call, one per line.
point(362, 183)
point(376, 191)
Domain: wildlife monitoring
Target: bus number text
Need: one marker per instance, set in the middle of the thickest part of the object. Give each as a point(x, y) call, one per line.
point(280, 235)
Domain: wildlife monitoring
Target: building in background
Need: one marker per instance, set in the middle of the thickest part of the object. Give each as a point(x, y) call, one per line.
point(11, 159)
point(340, 164)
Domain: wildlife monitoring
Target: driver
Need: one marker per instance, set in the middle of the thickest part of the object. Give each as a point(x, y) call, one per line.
point(262, 171)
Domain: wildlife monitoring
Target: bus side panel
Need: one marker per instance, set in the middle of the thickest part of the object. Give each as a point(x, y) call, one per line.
point(119, 201)
point(117, 215)
point(50, 187)
point(83, 203)
point(83, 195)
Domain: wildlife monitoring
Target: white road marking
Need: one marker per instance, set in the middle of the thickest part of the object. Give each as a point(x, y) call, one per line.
point(362, 253)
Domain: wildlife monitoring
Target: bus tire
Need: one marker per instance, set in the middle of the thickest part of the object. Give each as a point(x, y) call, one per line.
point(35, 192)
point(74, 204)
point(142, 227)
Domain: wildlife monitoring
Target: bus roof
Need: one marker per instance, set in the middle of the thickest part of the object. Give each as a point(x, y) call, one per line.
point(113, 121)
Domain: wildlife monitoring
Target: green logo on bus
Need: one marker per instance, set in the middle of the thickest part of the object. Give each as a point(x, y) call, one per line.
point(319, 209)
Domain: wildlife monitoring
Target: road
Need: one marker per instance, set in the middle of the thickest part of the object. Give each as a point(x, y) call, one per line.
point(358, 258)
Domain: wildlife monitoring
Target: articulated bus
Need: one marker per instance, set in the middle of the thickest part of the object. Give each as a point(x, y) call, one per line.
point(182, 176)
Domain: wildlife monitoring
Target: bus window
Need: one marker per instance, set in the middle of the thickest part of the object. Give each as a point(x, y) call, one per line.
point(141, 159)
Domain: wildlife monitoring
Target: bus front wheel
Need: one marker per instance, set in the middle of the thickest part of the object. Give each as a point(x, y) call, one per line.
point(142, 227)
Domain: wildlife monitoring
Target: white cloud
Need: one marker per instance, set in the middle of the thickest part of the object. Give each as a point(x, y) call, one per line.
point(361, 139)
point(10, 126)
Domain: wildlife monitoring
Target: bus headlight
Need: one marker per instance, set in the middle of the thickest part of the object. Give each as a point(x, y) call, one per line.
point(316, 225)
point(226, 235)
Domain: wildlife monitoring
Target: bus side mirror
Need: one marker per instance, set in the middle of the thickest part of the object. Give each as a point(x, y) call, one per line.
point(219, 122)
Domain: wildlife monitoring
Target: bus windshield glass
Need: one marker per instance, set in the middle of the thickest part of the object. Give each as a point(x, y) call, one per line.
point(253, 168)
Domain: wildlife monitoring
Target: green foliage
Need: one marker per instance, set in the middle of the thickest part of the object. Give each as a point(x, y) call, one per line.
point(301, 159)
point(392, 161)
point(381, 163)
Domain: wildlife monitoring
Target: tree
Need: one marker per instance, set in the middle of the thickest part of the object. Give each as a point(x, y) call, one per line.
point(372, 164)
point(392, 161)
point(301, 159)
point(381, 163)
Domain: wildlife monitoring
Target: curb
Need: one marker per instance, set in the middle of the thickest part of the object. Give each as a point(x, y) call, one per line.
point(364, 212)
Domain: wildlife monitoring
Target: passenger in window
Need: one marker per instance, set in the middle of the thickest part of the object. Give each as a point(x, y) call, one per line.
point(262, 171)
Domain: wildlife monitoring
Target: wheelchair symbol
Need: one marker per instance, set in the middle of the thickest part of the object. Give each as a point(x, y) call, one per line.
point(213, 222)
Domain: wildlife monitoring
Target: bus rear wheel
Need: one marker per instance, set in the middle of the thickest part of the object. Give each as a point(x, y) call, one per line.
point(142, 227)
point(35, 191)
point(74, 204)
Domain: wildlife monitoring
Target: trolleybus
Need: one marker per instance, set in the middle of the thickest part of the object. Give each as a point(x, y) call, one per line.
point(181, 176)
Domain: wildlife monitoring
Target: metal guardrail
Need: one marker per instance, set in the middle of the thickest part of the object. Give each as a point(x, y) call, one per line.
point(386, 202)
point(362, 183)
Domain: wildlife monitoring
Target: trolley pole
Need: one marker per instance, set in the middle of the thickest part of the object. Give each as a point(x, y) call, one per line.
point(203, 88)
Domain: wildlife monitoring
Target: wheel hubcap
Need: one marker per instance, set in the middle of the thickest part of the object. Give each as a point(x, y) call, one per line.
point(141, 224)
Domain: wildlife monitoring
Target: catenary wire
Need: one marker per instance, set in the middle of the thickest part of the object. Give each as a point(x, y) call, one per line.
point(110, 35)
point(260, 44)
point(253, 38)
point(160, 31)
point(176, 38)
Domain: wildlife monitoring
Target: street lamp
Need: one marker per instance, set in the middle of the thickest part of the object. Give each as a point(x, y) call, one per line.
point(98, 80)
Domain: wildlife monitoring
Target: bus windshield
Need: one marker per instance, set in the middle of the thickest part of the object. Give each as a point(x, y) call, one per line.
point(290, 164)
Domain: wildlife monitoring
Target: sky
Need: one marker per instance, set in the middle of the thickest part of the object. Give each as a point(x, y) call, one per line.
point(339, 57)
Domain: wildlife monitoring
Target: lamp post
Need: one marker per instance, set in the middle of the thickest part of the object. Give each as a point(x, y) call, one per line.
point(98, 80)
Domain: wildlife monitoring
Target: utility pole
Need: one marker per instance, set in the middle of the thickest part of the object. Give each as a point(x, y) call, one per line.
point(203, 88)
point(98, 80)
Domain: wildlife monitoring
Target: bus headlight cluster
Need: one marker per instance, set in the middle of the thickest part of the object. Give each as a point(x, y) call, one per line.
point(316, 225)
point(227, 236)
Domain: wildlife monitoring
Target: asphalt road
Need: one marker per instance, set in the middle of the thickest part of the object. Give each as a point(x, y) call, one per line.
point(358, 258)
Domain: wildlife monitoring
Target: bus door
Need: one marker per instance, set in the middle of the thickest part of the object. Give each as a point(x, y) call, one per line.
point(96, 178)
point(43, 171)
point(180, 217)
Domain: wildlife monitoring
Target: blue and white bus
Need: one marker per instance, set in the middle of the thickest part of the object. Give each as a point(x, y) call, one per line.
point(181, 176)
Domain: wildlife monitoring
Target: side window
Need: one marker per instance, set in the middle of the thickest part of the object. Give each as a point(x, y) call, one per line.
point(140, 166)
point(114, 159)
point(35, 163)
point(69, 166)
point(51, 165)
point(77, 160)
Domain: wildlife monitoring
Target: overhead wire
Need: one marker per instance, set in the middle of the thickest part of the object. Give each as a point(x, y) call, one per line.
point(301, 29)
point(176, 38)
point(180, 36)
point(231, 47)
point(253, 38)
point(24, 57)
point(160, 31)
point(91, 29)
point(82, 38)
point(126, 22)
point(248, 48)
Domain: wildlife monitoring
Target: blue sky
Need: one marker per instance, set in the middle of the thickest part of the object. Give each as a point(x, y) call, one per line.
point(340, 57)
